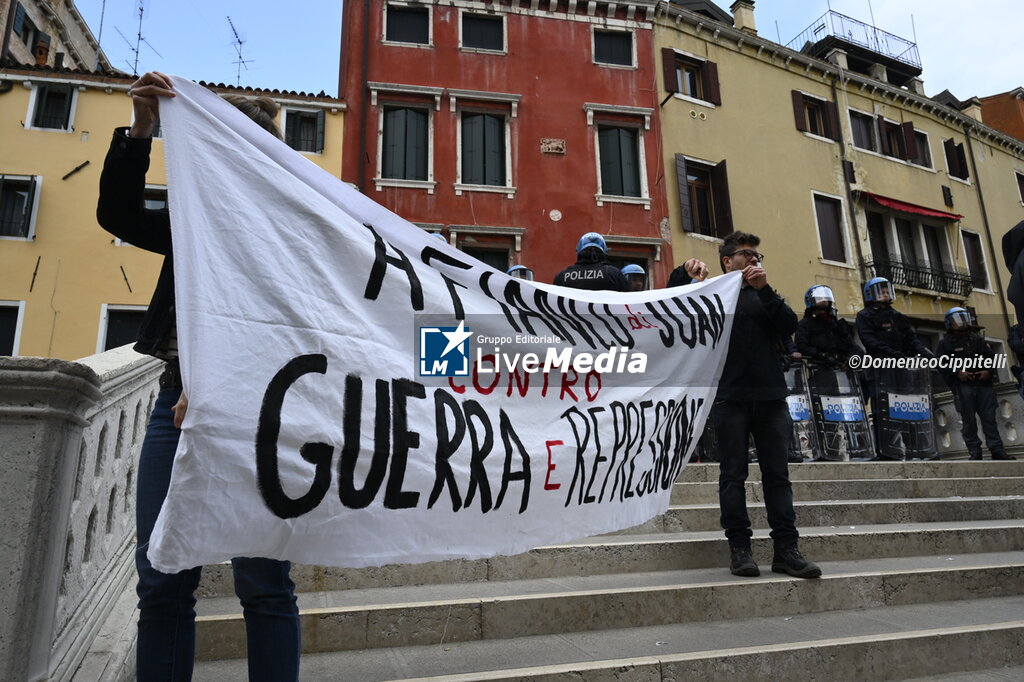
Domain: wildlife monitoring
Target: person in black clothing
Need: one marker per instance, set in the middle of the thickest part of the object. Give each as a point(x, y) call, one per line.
point(592, 270)
point(885, 333)
point(752, 400)
point(1013, 256)
point(972, 388)
point(693, 270)
point(821, 336)
point(166, 627)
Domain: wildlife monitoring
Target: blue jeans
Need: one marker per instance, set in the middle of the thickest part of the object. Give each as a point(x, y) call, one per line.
point(167, 629)
point(771, 426)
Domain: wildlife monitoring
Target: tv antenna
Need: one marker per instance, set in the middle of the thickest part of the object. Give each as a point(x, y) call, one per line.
point(139, 41)
point(240, 62)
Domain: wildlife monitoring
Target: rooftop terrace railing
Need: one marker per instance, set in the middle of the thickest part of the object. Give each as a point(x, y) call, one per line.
point(851, 30)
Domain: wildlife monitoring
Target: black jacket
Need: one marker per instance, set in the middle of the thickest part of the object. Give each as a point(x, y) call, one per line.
point(825, 339)
point(1013, 256)
point(753, 370)
point(886, 333)
point(595, 276)
point(121, 211)
point(679, 278)
point(969, 346)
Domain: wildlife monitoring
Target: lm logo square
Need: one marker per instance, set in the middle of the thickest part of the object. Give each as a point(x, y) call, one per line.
point(444, 351)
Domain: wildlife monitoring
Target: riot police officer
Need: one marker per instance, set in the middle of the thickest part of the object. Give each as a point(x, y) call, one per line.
point(520, 272)
point(592, 270)
point(972, 387)
point(636, 276)
point(821, 336)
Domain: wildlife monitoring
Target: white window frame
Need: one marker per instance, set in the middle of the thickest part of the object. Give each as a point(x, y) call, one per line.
point(645, 197)
point(984, 258)
point(896, 249)
point(594, 30)
point(509, 188)
point(37, 190)
point(33, 102)
point(689, 56)
point(429, 184)
point(301, 110)
point(876, 140)
point(408, 5)
point(931, 156)
point(20, 305)
point(1017, 185)
point(843, 227)
point(101, 337)
point(483, 50)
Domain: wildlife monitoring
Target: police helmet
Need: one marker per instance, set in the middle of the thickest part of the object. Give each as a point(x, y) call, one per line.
point(439, 236)
point(636, 276)
point(819, 296)
point(876, 288)
point(633, 269)
point(591, 239)
point(958, 319)
point(520, 272)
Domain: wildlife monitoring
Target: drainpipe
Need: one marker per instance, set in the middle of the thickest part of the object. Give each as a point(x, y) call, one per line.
point(988, 227)
point(364, 95)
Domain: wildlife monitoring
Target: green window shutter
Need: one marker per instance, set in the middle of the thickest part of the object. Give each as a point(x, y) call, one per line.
point(319, 147)
point(42, 96)
point(494, 150)
point(473, 149)
point(611, 178)
point(416, 144)
point(19, 20)
point(394, 138)
point(630, 162)
point(685, 210)
point(291, 129)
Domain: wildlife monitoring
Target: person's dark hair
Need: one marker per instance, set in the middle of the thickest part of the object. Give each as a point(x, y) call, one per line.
point(735, 241)
point(262, 110)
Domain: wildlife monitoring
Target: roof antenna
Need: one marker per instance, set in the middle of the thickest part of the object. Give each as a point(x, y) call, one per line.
point(139, 40)
point(99, 39)
point(240, 62)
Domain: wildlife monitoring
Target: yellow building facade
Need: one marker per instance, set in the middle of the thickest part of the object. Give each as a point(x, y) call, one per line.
point(844, 176)
point(68, 289)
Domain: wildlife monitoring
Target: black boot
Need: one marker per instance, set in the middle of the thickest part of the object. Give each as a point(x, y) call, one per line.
point(742, 563)
point(789, 560)
point(1000, 455)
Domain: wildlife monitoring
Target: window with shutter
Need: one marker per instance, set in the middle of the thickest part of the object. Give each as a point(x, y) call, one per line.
point(482, 32)
point(956, 159)
point(407, 25)
point(9, 315)
point(1020, 185)
point(922, 152)
point(52, 107)
point(404, 148)
point(863, 127)
point(830, 228)
point(17, 199)
point(613, 47)
point(691, 77)
point(304, 130)
point(483, 149)
point(975, 259)
point(620, 165)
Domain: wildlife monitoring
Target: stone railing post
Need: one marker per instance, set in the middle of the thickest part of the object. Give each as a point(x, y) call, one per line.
point(43, 403)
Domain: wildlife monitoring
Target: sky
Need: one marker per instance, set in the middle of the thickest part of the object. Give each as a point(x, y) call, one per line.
point(296, 46)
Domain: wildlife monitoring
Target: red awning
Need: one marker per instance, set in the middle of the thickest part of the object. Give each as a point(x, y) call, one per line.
point(904, 207)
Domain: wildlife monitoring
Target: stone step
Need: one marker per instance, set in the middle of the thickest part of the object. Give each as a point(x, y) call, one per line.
point(880, 643)
point(706, 517)
point(809, 471)
point(862, 489)
point(399, 617)
point(655, 552)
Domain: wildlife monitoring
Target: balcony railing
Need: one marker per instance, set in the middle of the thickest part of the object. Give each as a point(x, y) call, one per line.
point(940, 280)
point(858, 33)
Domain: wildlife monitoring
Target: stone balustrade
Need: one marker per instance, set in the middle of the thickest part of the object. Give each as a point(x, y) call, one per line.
point(1009, 416)
point(71, 433)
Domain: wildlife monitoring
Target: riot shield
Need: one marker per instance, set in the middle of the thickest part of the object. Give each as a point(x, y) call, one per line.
point(906, 428)
point(839, 416)
point(802, 439)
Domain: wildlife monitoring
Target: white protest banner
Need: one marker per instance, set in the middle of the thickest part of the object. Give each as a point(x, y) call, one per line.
point(361, 393)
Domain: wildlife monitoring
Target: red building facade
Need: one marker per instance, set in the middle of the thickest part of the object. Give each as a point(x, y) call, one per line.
point(511, 128)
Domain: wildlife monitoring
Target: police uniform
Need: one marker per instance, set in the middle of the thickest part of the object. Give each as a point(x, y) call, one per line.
point(594, 276)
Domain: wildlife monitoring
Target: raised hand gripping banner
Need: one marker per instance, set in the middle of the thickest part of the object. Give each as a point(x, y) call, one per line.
point(362, 393)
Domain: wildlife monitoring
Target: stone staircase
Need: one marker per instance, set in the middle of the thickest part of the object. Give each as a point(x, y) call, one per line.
point(923, 576)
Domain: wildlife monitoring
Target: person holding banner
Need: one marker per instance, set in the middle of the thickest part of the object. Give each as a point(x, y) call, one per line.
point(592, 270)
point(693, 270)
point(166, 628)
point(751, 400)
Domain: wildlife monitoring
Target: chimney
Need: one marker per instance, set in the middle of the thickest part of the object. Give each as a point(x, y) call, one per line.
point(972, 108)
point(743, 16)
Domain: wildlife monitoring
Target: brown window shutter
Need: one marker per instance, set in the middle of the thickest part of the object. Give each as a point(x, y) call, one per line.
point(952, 160)
point(723, 208)
point(947, 196)
point(909, 140)
point(882, 137)
point(798, 111)
point(849, 173)
point(961, 157)
point(668, 65)
point(712, 90)
point(832, 121)
point(684, 194)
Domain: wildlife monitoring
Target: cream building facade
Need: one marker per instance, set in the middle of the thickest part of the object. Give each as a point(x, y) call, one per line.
point(68, 289)
point(844, 168)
